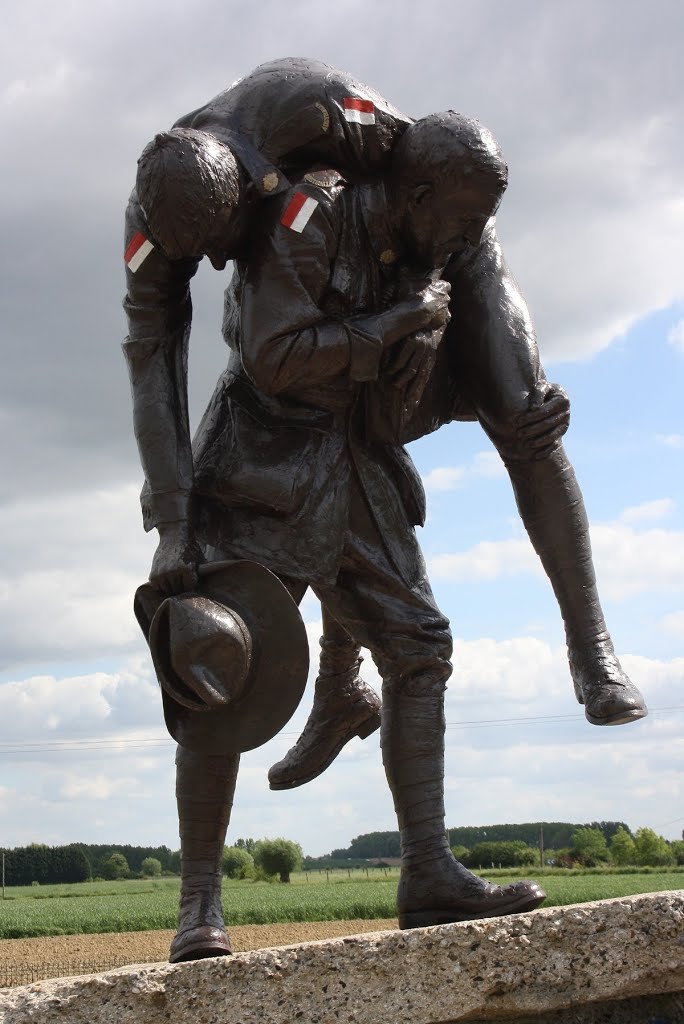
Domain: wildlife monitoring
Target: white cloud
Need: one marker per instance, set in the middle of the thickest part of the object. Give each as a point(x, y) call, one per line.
point(486, 561)
point(44, 709)
point(671, 440)
point(516, 671)
point(483, 465)
point(518, 748)
point(628, 562)
point(488, 465)
point(444, 478)
point(674, 623)
point(648, 511)
point(72, 563)
point(616, 280)
point(676, 336)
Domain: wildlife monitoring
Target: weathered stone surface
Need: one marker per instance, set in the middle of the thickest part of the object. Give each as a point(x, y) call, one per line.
point(533, 966)
point(667, 1009)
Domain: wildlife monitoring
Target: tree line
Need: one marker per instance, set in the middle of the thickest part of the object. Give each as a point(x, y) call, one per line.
point(81, 862)
point(39, 864)
point(556, 835)
point(563, 844)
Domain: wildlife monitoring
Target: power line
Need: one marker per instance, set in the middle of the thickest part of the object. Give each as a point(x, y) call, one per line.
point(485, 723)
point(58, 746)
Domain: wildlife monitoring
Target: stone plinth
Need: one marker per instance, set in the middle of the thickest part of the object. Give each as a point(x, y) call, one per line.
point(593, 963)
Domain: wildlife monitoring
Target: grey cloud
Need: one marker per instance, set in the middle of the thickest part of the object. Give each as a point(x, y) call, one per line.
point(585, 99)
point(572, 90)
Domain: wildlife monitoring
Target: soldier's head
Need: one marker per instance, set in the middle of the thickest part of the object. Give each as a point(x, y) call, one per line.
point(447, 180)
point(188, 186)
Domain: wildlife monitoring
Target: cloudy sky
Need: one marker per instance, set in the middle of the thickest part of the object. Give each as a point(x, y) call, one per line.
point(586, 99)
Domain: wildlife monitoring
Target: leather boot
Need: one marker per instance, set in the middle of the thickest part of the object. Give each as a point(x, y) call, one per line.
point(434, 888)
point(551, 506)
point(343, 707)
point(205, 785)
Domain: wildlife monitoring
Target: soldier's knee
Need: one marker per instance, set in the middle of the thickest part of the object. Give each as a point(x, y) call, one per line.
point(421, 671)
point(528, 425)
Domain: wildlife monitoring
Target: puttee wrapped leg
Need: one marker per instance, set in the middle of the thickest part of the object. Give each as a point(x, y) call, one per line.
point(205, 785)
point(344, 706)
point(552, 508)
point(434, 888)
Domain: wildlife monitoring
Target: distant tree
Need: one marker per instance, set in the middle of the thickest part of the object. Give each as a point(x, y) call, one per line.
point(609, 828)
point(278, 857)
point(652, 849)
point(460, 852)
point(562, 858)
point(72, 865)
point(151, 868)
point(589, 847)
point(622, 848)
point(526, 855)
point(375, 844)
point(507, 854)
point(556, 835)
point(115, 866)
point(246, 844)
point(237, 862)
point(677, 848)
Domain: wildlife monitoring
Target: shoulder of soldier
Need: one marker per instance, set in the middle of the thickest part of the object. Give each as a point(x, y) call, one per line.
point(314, 201)
point(327, 179)
point(143, 258)
point(138, 241)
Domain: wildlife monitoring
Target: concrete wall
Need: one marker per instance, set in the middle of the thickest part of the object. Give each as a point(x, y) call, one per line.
point(609, 962)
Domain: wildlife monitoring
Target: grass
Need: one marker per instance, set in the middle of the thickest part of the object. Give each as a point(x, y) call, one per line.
point(147, 905)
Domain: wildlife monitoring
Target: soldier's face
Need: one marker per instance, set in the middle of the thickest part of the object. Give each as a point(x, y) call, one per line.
point(218, 242)
point(444, 220)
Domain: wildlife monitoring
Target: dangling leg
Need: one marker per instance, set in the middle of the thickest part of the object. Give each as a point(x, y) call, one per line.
point(344, 706)
point(205, 784)
point(496, 364)
point(551, 507)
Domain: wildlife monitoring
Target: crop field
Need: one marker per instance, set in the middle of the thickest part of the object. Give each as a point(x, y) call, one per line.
point(148, 905)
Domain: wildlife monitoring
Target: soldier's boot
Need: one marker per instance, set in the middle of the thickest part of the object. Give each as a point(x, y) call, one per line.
point(434, 888)
point(552, 508)
point(205, 785)
point(343, 707)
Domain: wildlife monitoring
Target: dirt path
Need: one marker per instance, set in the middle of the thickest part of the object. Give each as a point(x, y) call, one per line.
point(25, 960)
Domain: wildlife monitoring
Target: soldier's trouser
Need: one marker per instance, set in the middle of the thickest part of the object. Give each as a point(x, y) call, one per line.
point(410, 642)
point(398, 622)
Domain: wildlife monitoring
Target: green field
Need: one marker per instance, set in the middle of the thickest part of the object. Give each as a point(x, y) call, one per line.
point(147, 905)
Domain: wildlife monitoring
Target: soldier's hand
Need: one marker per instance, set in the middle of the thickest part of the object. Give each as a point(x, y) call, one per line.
point(540, 429)
point(434, 299)
point(175, 562)
point(425, 307)
point(411, 362)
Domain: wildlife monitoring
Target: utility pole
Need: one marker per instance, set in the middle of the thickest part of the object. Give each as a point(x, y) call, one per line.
point(3, 874)
point(541, 846)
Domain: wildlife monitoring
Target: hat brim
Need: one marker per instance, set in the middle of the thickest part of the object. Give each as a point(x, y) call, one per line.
point(279, 664)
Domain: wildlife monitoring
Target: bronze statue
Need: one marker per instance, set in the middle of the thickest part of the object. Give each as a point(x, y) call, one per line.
point(341, 349)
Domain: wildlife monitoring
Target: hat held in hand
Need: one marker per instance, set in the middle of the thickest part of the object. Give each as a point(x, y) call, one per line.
point(231, 658)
